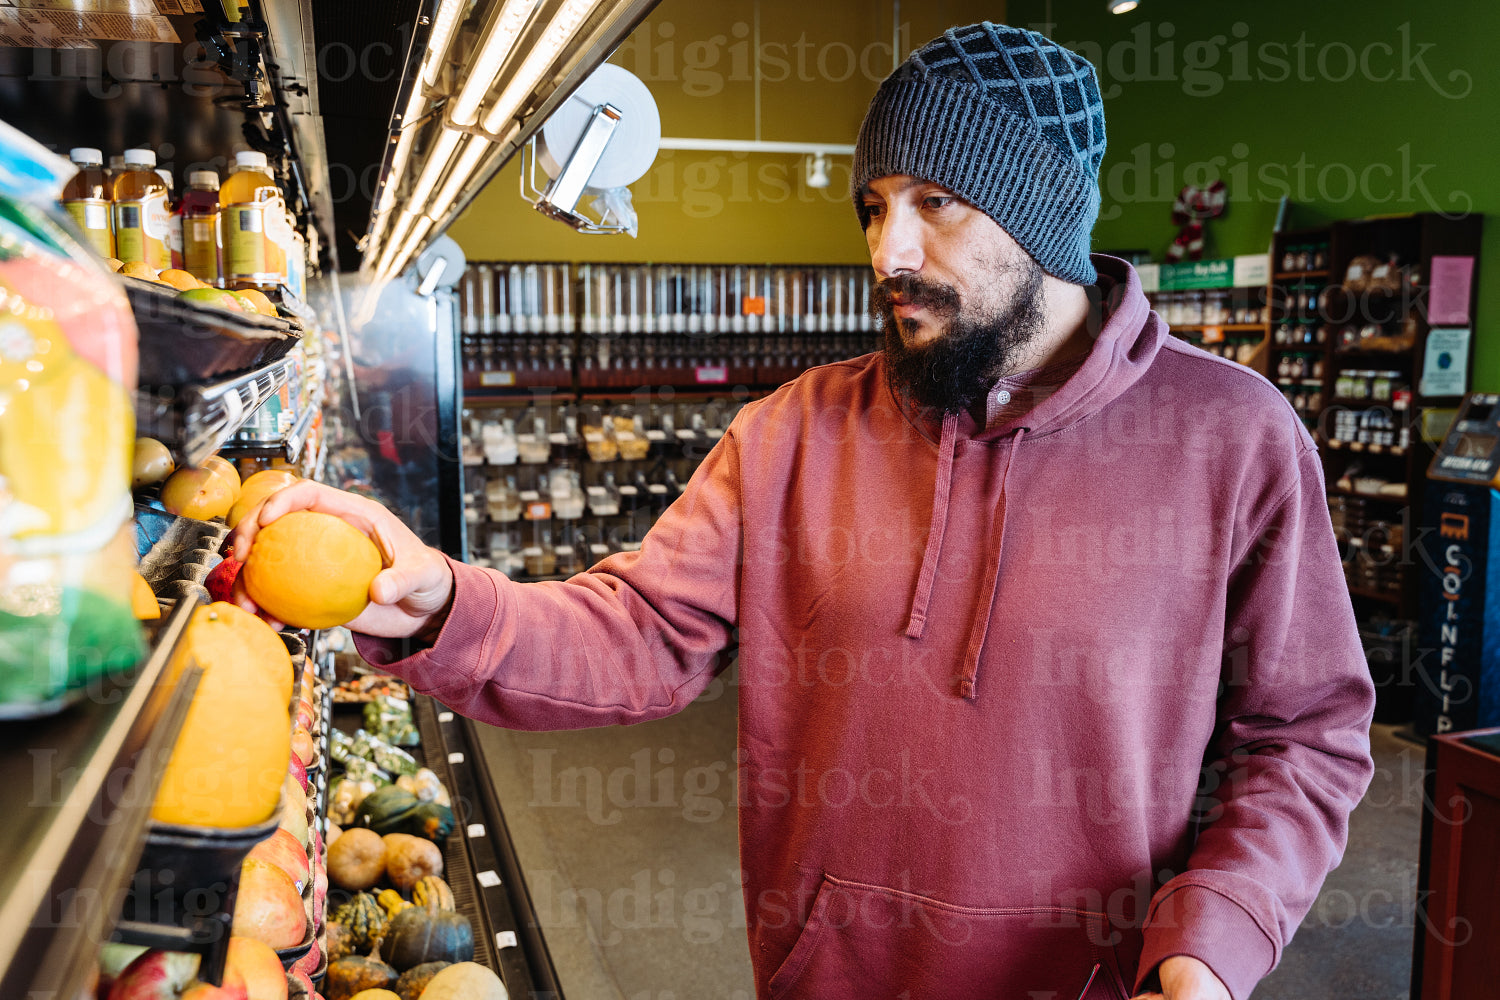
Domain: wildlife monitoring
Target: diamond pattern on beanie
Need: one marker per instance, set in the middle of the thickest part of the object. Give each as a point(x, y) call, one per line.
point(1008, 120)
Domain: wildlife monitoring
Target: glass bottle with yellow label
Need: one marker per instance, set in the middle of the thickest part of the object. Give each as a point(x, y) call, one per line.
point(251, 214)
point(87, 198)
point(142, 218)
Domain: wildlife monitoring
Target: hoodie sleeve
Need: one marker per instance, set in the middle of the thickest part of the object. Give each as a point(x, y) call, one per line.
point(1291, 754)
point(635, 638)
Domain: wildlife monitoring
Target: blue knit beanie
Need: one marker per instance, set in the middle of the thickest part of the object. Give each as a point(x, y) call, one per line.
point(1007, 120)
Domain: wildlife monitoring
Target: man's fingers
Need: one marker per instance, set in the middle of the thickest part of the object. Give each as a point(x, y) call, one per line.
point(390, 586)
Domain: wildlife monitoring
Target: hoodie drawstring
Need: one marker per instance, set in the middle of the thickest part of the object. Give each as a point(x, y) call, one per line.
point(989, 581)
point(941, 487)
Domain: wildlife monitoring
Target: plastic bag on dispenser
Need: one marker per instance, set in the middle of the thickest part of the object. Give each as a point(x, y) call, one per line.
point(615, 206)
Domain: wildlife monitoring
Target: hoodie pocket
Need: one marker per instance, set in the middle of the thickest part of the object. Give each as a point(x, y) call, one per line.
point(884, 944)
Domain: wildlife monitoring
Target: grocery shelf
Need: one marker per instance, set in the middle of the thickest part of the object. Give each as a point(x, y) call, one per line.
point(289, 446)
point(198, 419)
point(77, 794)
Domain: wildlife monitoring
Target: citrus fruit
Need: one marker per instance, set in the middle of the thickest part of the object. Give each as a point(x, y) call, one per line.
point(139, 269)
point(257, 488)
point(225, 468)
point(114, 264)
point(152, 464)
point(311, 570)
point(202, 494)
point(142, 601)
point(258, 297)
point(179, 279)
point(223, 635)
point(246, 302)
point(214, 297)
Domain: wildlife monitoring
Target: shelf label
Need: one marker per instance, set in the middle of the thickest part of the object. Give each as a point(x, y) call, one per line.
point(557, 437)
point(488, 879)
point(445, 716)
point(455, 757)
point(475, 830)
point(656, 436)
point(711, 375)
point(505, 939)
point(753, 305)
point(497, 378)
point(686, 435)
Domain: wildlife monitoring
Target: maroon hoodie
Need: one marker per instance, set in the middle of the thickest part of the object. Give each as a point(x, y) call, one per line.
point(1082, 686)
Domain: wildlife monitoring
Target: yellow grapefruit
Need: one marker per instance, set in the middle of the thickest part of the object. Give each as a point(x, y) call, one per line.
point(258, 297)
point(311, 570)
point(153, 462)
point(179, 279)
point(257, 488)
point(199, 493)
point(225, 468)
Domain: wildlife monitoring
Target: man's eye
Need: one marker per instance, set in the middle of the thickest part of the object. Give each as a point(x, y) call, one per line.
point(936, 201)
point(874, 210)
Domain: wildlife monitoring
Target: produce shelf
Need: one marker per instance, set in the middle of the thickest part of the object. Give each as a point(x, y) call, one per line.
point(78, 789)
point(289, 446)
point(197, 420)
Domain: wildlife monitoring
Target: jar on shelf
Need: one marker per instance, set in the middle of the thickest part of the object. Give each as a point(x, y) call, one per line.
point(503, 500)
point(532, 438)
point(598, 434)
point(630, 433)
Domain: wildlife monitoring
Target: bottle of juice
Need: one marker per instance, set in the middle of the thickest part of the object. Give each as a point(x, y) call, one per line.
point(87, 198)
point(116, 168)
point(250, 207)
point(142, 219)
point(199, 214)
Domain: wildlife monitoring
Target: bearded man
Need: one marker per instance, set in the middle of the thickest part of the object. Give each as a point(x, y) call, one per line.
point(1049, 675)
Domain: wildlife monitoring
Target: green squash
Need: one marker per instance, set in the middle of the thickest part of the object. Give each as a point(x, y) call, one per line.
point(354, 974)
point(418, 935)
point(386, 810)
point(430, 820)
point(414, 980)
point(365, 921)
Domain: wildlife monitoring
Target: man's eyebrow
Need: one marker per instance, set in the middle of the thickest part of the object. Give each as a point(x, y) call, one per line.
point(905, 185)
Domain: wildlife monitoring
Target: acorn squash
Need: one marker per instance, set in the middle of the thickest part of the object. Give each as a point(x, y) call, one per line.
point(464, 981)
point(386, 810)
point(430, 820)
point(418, 935)
point(365, 920)
point(414, 980)
point(354, 974)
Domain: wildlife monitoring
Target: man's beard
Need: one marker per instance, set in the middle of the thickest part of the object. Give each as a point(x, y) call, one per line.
point(952, 371)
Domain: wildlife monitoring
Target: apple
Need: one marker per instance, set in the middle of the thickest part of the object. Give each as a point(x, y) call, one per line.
point(220, 579)
point(309, 963)
point(302, 745)
point(304, 713)
point(155, 975)
point(233, 988)
point(113, 958)
point(294, 812)
point(283, 850)
point(269, 907)
point(260, 966)
point(298, 770)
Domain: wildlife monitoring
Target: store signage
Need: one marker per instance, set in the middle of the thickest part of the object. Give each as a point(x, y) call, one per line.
point(715, 375)
point(497, 378)
point(1252, 270)
point(1196, 274)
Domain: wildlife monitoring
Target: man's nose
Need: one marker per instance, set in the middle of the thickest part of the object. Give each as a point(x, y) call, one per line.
point(896, 245)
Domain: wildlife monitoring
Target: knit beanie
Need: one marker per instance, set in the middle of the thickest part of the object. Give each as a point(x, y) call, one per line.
point(1007, 120)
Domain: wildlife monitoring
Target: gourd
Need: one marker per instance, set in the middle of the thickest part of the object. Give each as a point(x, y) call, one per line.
point(419, 935)
point(432, 893)
point(386, 810)
point(414, 980)
point(352, 974)
point(340, 941)
point(408, 858)
point(390, 900)
point(430, 820)
point(365, 921)
point(464, 981)
point(356, 860)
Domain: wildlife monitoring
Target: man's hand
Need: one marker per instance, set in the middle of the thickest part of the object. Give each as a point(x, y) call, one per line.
point(1185, 978)
point(409, 596)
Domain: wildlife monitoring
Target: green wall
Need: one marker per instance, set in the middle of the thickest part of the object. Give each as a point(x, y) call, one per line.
point(821, 62)
point(1349, 109)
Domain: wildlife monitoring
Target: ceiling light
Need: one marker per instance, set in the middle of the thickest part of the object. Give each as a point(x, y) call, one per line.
point(500, 37)
point(1123, 6)
point(540, 59)
point(437, 42)
point(817, 171)
point(457, 177)
point(437, 158)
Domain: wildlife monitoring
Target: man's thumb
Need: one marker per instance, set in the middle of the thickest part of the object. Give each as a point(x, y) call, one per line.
point(389, 586)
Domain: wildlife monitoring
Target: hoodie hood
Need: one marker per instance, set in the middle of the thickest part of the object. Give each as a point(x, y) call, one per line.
point(1127, 343)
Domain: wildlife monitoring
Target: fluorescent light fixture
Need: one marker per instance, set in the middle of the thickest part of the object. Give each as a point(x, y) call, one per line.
point(540, 59)
point(437, 42)
point(457, 177)
point(1123, 6)
point(413, 241)
point(500, 37)
point(393, 241)
point(437, 158)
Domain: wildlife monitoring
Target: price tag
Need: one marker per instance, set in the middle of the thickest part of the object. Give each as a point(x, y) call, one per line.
point(753, 305)
point(596, 491)
point(711, 375)
point(505, 939)
point(455, 757)
point(529, 495)
point(656, 435)
point(557, 437)
point(526, 438)
point(686, 435)
point(1213, 334)
point(599, 549)
point(488, 879)
point(445, 716)
point(593, 437)
point(714, 433)
point(475, 830)
point(656, 488)
point(628, 491)
point(492, 379)
point(538, 511)
point(624, 436)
